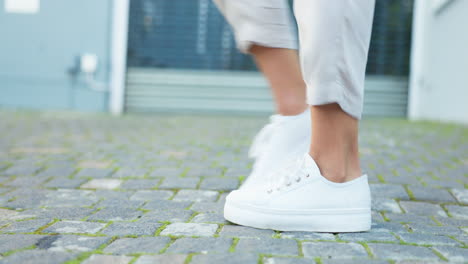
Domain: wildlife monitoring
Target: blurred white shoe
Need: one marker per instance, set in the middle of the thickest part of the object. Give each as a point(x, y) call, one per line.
point(301, 199)
point(284, 138)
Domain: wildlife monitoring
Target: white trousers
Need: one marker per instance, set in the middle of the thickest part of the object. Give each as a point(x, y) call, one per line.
point(334, 37)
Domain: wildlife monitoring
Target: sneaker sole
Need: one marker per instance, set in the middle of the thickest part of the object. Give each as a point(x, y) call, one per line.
point(333, 221)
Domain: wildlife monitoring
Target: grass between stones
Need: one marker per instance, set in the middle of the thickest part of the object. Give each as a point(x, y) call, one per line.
point(40, 229)
point(235, 241)
point(11, 252)
point(439, 254)
point(161, 228)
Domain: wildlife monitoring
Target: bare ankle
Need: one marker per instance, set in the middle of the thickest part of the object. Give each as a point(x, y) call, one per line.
point(336, 169)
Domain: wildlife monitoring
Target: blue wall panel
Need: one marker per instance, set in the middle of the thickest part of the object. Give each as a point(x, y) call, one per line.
point(38, 50)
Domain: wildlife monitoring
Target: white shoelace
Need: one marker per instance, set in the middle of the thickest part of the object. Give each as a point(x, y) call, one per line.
point(262, 139)
point(293, 172)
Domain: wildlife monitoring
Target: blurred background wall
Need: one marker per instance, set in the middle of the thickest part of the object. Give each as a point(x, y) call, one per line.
point(181, 56)
point(439, 83)
point(40, 48)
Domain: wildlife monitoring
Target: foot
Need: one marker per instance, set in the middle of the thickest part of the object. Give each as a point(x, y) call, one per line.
point(303, 200)
point(284, 138)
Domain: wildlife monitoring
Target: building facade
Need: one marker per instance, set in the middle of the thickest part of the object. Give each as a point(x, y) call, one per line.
point(158, 55)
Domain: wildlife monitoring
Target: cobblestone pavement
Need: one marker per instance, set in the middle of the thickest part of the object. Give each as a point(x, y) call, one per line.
point(83, 188)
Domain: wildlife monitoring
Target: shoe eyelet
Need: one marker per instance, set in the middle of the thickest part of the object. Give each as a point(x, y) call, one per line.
point(298, 179)
point(269, 191)
point(308, 175)
point(288, 184)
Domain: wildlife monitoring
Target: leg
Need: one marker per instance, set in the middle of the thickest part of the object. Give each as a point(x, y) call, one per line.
point(322, 190)
point(264, 29)
point(282, 70)
point(335, 38)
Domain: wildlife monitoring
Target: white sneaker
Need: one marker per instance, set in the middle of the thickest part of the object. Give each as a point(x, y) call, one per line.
point(284, 138)
point(303, 200)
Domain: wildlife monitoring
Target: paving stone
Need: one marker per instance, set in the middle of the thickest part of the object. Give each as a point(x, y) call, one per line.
point(65, 243)
point(57, 171)
point(179, 183)
point(8, 214)
point(196, 196)
point(222, 198)
point(391, 191)
point(420, 262)
point(64, 183)
point(203, 245)
point(37, 257)
point(208, 207)
point(401, 252)
point(462, 238)
point(236, 172)
point(15, 242)
point(172, 216)
point(113, 194)
point(22, 181)
point(21, 169)
point(130, 172)
point(22, 192)
point(209, 218)
point(69, 198)
point(149, 195)
point(116, 214)
point(307, 235)
point(421, 208)
point(445, 183)
point(219, 184)
point(167, 172)
point(132, 228)
point(225, 258)
point(94, 173)
point(355, 261)
point(286, 260)
point(432, 229)
point(403, 179)
point(286, 247)
point(386, 205)
point(388, 227)
point(204, 172)
point(139, 184)
point(461, 195)
point(166, 205)
point(190, 229)
point(453, 254)
point(162, 259)
point(74, 227)
point(431, 194)
point(427, 239)
point(25, 202)
point(137, 245)
point(458, 222)
point(108, 184)
point(410, 218)
point(96, 162)
point(458, 211)
point(332, 250)
point(106, 259)
point(68, 213)
point(25, 226)
point(368, 236)
point(243, 231)
point(120, 202)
